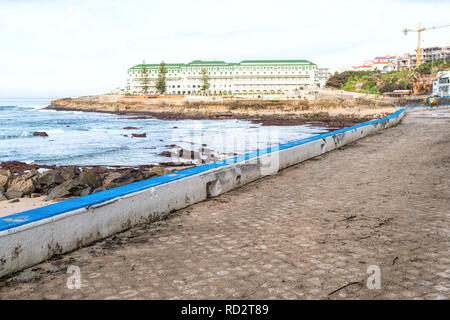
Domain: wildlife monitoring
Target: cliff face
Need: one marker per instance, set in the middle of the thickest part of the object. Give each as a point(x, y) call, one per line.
point(423, 85)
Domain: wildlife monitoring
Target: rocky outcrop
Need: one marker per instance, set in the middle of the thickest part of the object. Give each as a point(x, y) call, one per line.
point(64, 182)
point(26, 184)
point(65, 189)
point(129, 176)
point(12, 194)
point(70, 172)
point(50, 178)
point(5, 177)
point(91, 178)
point(40, 134)
point(139, 135)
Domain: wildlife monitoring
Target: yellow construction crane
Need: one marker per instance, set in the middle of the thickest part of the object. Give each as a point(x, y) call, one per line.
point(419, 30)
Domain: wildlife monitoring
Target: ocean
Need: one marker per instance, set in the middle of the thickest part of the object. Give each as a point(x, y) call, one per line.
point(89, 138)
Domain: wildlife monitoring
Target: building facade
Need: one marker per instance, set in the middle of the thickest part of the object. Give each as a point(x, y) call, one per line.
point(323, 74)
point(431, 54)
point(404, 62)
point(382, 63)
point(245, 77)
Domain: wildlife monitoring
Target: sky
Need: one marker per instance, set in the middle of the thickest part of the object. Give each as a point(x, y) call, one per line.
point(62, 48)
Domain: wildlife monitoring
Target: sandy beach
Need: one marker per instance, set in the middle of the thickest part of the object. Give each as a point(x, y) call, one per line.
point(8, 207)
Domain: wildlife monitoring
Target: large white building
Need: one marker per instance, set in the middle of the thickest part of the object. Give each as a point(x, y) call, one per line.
point(245, 77)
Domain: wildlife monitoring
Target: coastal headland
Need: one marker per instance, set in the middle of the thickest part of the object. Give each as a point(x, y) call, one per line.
point(333, 111)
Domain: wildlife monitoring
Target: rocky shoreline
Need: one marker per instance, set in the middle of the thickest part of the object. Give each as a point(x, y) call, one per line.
point(19, 179)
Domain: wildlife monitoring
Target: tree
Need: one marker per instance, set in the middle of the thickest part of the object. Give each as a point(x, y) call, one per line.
point(205, 80)
point(145, 78)
point(161, 80)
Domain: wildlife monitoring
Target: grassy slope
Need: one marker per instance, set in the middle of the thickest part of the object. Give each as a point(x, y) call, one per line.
point(377, 82)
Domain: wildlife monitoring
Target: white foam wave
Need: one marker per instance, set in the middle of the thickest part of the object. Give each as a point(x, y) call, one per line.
point(33, 106)
point(55, 131)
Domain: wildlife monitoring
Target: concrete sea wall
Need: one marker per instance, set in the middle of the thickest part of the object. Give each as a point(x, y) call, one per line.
point(33, 236)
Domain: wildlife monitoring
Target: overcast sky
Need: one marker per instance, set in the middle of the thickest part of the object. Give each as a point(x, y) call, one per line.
point(58, 48)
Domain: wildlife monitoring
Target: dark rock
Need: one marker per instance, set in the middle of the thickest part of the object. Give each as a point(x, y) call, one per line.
point(14, 201)
point(139, 135)
point(189, 154)
point(174, 127)
point(86, 191)
point(149, 174)
point(109, 177)
point(50, 178)
point(99, 189)
point(63, 190)
point(167, 154)
point(130, 128)
point(91, 178)
point(129, 176)
point(40, 134)
point(70, 172)
point(12, 194)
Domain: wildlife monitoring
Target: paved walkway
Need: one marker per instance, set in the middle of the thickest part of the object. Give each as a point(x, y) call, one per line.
point(301, 234)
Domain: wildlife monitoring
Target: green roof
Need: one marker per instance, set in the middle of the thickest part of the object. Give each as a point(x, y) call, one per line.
point(200, 62)
point(276, 61)
point(222, 63)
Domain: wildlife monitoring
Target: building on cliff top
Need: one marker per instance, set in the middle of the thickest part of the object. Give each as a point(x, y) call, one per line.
point(245, 77)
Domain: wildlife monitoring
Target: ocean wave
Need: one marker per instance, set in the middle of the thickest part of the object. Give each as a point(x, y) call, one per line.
point(54, 131)
point(33, 106)
point(23, 134)
point(80, 156)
